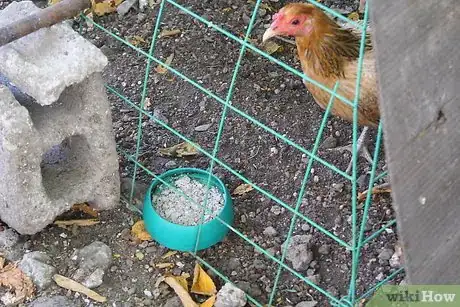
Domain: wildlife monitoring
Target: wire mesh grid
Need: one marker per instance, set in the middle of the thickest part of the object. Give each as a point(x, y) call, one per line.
point(358, 239)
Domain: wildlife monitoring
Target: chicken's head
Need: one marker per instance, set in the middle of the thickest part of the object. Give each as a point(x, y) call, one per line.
point(294, 19)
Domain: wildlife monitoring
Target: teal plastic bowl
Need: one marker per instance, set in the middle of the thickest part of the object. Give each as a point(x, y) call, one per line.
point(180, 237)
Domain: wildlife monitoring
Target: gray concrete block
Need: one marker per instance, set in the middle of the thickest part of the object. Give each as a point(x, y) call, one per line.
point(52, 157)
point(57, 147)
point(44, 63)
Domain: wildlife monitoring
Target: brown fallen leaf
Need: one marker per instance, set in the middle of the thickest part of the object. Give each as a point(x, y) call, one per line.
point(136, 40)
point(182, 281)
point(180, 150)
point(88, 222)
point(209, 302)
point(380, 189)
point(138, 231)
point(162, 69)
point(168, 254)
point(85, 208)
point(101, 8)
point(202, 283)
point(185, 298)
point(2, 262)
point(164, 265)
point(13, 278)
point(242, 189)
point(354, 16)
point(168, 33)
point(271, 47)
point(72, 285)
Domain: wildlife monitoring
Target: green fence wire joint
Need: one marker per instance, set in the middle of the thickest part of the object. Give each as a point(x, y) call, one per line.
point(180, 237)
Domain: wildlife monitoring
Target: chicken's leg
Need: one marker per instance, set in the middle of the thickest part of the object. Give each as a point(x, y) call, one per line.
point(361, 148)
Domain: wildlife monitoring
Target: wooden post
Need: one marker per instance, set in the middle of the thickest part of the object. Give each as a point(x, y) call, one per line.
point(41, 19)
point(418, 63)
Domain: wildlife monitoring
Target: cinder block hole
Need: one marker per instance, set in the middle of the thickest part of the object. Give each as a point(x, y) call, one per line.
point(66, 167)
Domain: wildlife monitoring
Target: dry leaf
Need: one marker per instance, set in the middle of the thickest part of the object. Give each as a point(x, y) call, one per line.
point(202, 283)
point(164, 265)
point(52, 2)
point(104, 7)
point(167, 33)
point(72, 285)
point(179, 150)
point(242, 189)
point(88, 222)
point(227, 10)
point(138, 231)
point(168, 254)
point(13, 278)
point(2, 262)
point(209, 302)
point(272, 47)
point(185, 298)
point(85, 208)
point(162, 69)
point(354, 16)
point(136, 40)
point(182, 281)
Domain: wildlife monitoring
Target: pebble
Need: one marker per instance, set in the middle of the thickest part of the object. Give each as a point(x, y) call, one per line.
point(385, 254)
point(299, 252)
point(37, 265)
point(140, 256)
point(230, 296)
point(233, 264)
point(148, 293)
point(380, 277)
point(259, 264)
point(53, 301)
point(315, 279)
point(93, 260)
point(270, 231)
point(203, 128)
point(9, 245)
point(310, 272)
point(276, 210)
point(329, 142)
point(315, 179)
point(94, 280)
point(324, 249)
point(338, 187)
point(125, 6)
point(306, 227)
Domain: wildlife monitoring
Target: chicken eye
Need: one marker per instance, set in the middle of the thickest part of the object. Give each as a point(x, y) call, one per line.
point(295, 22)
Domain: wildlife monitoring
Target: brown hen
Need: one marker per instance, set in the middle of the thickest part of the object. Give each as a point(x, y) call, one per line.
point(329, 53)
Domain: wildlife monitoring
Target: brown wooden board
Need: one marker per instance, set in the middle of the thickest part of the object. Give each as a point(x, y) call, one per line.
point(418, 60)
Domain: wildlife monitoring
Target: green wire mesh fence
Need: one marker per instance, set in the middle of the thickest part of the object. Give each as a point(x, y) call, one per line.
point(358, 238)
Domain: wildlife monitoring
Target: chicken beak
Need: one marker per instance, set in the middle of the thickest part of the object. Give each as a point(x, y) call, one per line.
point(269, 33)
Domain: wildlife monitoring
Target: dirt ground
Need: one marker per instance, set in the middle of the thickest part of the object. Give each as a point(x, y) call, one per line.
point(268, 93)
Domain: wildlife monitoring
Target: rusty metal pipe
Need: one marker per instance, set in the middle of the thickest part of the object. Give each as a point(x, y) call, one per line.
point(41, 19)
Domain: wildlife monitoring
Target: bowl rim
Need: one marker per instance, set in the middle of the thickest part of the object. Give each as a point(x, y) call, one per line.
point(184, 170)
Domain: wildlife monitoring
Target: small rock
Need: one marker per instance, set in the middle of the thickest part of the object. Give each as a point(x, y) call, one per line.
point(125, 6)
point(143, 5)
point(363, 181)
point(148, 293)
point(230, 296)
point(380, 277)
point(324, 249)
point(259, 264)
point(315, 179)
point(141, 17)
point(306, 227)
point(233, 264)
point(140, 256)
point(299, 252)
point(203, 128)
point(170, 164)
point(385, 254)
point(333, 291)
point(315, 279)
point(173, 302)
point(307, 304)
point(270, 231)
point(37, 265)
point(310, 272)
point(276, 210)
point(329, 142)
point(54, 301)
point(338, 187)
point(95, 279)
point(95, 256)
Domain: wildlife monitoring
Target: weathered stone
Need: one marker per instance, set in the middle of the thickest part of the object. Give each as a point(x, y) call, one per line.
point(44, 63)
point(57, 146)
point(37, 265)
point(10, 246)
point(93, 261)
point(299, 252)
point(230, 296)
